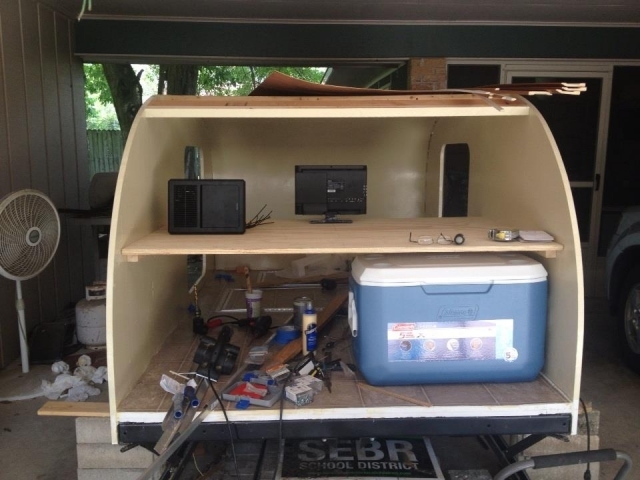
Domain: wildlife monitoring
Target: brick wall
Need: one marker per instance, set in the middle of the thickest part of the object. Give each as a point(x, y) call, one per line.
point(427, 74)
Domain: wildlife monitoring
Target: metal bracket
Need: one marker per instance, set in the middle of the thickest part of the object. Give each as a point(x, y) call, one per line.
point(145, 445)
point(499, 448)
point(523, 444)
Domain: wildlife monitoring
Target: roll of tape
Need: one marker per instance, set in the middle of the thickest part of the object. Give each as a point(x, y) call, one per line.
point(286, 334)
point(503, 234)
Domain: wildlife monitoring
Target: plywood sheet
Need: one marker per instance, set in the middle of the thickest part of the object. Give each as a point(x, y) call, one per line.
point(362, 236)
point(427, 105)
point(74, 409)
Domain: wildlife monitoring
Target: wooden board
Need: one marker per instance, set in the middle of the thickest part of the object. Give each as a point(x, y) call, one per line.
point(366, 235)
point(165, 105)
point(399, 396)
point(290, 350)
point(338, 277)
point(74, 409)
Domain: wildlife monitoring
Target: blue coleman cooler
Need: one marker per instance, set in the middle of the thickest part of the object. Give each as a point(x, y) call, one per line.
point(448, 318)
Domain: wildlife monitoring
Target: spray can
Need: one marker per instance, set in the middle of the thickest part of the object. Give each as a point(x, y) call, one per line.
point(309, 329)
point(299, 306)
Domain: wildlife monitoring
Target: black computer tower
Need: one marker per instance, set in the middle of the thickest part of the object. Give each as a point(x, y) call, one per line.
point(206, 206)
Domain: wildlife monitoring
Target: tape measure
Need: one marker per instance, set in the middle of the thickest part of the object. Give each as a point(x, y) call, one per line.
point(503, 234)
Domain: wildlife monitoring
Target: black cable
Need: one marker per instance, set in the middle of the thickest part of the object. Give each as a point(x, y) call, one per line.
point(235, 319)
point(587, 472)
point(280, 422)
point(259, 219)
point(258, 470)
point(224, 412)
point(257, 214)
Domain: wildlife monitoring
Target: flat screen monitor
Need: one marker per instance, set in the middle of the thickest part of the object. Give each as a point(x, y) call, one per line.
point(331, 190)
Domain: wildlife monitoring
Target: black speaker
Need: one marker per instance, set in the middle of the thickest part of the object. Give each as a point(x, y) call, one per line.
point(206, 206)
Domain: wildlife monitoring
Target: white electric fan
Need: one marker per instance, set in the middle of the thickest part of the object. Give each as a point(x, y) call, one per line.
point(29, 237)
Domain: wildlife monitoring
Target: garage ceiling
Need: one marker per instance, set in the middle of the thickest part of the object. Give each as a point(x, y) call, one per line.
point(368, 36)
point(532, 12)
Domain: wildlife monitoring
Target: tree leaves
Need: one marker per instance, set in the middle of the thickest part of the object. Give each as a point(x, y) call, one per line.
point(238, 81)
point(211, 80)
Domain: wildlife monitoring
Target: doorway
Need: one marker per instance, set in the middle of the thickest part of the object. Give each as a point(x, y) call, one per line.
point(579, 125)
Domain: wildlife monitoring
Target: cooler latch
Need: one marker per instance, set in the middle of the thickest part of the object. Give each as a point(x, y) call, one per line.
point(353, 314)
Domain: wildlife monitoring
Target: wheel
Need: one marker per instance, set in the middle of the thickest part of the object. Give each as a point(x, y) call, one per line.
point(629, 320)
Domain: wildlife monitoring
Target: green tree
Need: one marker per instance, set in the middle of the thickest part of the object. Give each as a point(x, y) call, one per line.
point(100, 112)
point(126, 93)
point(124, 89)
point(241, 80)
point(178, 79)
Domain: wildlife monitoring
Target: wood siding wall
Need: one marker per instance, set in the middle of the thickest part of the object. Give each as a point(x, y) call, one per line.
point(105, 149)
point(43, 146)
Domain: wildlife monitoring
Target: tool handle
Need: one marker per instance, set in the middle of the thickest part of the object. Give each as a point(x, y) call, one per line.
point(574, 458)
point(190, 394)
point(178, 399)
point(247, 276)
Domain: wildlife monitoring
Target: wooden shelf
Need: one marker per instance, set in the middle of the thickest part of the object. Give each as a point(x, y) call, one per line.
point(396, 106)
point(366, 235)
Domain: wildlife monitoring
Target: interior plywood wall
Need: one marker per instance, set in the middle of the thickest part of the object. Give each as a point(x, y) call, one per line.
point(43, 146)
point(394, 151)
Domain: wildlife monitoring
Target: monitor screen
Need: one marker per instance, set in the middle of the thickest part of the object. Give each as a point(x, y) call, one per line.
point(330, 190)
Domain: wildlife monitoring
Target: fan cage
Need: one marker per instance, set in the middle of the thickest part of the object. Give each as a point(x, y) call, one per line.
point(29, 234)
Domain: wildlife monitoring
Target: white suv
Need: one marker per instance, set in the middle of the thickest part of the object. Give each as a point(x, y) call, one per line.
point(623, 284)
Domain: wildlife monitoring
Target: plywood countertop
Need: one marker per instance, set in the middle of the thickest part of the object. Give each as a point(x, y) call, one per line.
point(365, 235)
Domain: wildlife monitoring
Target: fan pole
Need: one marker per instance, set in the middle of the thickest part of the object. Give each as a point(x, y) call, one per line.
point(22, 324)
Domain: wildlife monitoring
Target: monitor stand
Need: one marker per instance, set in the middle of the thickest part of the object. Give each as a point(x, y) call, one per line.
point(331, 218)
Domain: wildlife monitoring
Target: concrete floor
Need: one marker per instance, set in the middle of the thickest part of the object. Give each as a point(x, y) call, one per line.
point(37, 448)
point(613, 389)
point(44, 448)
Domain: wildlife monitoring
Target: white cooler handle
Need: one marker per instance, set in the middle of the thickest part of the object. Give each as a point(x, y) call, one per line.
point(353, 315)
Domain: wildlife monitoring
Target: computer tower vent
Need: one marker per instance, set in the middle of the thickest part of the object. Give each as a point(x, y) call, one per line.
point(185, 207)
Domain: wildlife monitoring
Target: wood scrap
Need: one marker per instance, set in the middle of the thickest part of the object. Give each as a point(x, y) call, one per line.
point(279, 84)
point(383, 391)
point(362, 385)
point(562, 88)
point(74, 409)
point(244, 270)
point(290, 350)
point(276, 282)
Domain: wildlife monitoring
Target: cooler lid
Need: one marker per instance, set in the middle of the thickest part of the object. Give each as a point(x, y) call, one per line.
point(445, 268)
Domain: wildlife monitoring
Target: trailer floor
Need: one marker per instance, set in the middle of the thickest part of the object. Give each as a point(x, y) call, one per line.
point(44, 448)
point(148, 398)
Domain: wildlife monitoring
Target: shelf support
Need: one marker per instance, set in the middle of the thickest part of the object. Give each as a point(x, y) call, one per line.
point(546, 253)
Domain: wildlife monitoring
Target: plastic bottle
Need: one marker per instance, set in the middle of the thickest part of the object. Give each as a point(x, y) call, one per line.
point(309, 329)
